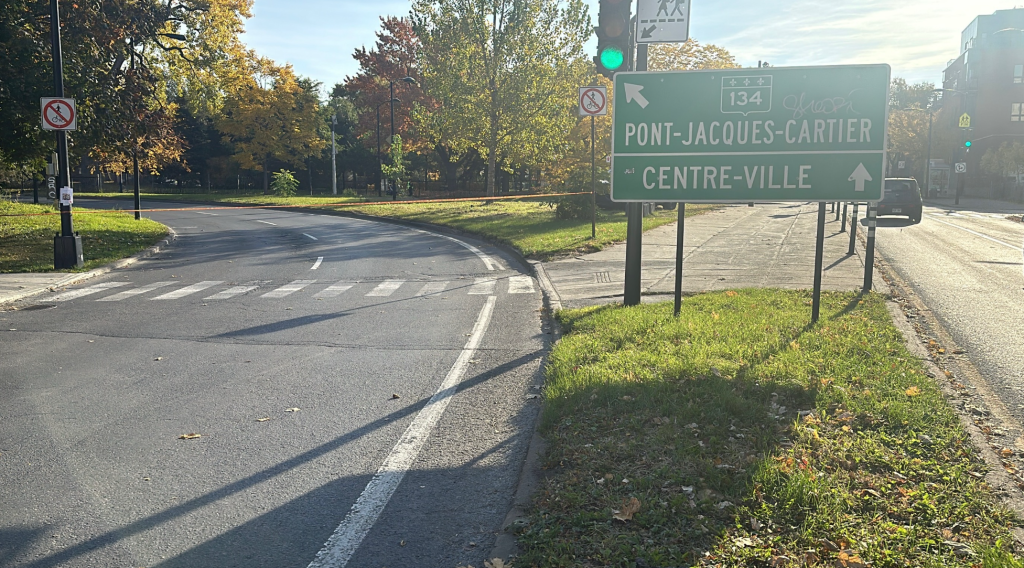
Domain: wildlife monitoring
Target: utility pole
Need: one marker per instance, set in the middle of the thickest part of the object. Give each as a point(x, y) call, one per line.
point(67, 247)
point(334, 156)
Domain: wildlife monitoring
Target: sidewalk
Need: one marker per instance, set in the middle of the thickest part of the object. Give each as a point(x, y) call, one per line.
point(20, 285)
point(977, 205)
point(768, 245)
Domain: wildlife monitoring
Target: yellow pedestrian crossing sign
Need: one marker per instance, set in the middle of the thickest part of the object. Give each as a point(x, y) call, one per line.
point(965, 120)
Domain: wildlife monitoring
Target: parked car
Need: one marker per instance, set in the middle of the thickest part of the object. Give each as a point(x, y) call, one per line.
point(901, 196)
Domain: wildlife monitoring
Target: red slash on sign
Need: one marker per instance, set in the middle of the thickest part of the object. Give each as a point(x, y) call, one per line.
point(59, 114)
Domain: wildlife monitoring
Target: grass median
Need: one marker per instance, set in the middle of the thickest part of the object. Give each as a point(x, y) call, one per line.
point(529, 226)
point(26, 243)
point(740, 435)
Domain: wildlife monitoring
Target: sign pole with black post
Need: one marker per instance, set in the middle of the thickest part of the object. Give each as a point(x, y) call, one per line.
point(67, 247)
point(869, 250)
point(819, 254)
point(853, 228)
point(680, 233)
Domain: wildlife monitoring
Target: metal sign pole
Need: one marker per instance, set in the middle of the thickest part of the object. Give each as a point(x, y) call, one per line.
point(869, 250)
point(593, 180)
point(853, 229)
point(818, 261)
point(843, 230)
point(634, 223)
point(67, 248)
point(680, 233)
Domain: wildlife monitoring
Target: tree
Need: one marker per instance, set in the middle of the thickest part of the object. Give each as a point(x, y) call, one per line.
point(394, 170)
point(688, 55)
point(272, 115)
point(284, 183)
point(1005, 161)
point(504, 74)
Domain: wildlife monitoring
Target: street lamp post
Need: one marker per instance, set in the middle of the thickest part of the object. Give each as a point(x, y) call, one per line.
point(67, 247)
point(334, 156)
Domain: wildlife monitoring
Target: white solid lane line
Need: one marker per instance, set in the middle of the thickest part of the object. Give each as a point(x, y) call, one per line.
point(490, 263)
point(135, 292)
point(231, 292)
point(368, 507)
point(205, 213)
point(1005, 244)
point(520, 285)
point(311, 236)
point(316, 264)
point(431, 288)
point(386, 288)
point(188, 290)
point(288, 289)
point(335, 290)
point(266, 222)
point(71, 295)
point(482, 286)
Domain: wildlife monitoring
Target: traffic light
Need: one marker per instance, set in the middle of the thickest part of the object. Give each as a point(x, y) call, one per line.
point(967, 145)
point(613, 36)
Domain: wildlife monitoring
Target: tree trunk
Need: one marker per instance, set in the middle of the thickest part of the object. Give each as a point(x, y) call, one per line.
point(266, 175)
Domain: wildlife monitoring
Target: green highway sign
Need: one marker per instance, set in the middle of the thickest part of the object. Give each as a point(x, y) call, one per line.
point(769, 134)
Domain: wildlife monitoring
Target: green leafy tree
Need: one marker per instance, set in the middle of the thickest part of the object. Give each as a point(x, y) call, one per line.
point(284, 183)
point(504, 74)
point(687, 56)
point(395, 170)
point(1005, 161)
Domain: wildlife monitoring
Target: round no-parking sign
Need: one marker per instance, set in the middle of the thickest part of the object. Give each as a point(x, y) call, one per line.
point(59, 113)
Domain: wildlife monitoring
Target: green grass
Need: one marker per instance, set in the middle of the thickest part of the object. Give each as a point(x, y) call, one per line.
point(26, 243)
point(529, 226)
point(751, 438)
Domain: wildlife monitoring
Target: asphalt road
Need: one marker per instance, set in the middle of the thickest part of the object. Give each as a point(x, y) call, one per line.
point(400, 349)
point(965, 266)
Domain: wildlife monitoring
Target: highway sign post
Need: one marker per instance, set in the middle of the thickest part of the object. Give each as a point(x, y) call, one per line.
point(662, 21)
point(739, 135)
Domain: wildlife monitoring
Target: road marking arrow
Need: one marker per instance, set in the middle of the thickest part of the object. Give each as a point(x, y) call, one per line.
point(648, 32)
point(859, 176)
point(633, 94)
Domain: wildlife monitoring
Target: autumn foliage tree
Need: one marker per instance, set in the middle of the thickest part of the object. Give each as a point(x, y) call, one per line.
point(272, 115)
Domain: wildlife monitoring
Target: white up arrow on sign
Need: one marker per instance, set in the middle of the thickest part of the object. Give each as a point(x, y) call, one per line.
point(633, 94)
point(859, 176)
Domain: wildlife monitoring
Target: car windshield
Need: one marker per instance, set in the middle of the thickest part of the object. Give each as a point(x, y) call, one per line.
point(899, 185)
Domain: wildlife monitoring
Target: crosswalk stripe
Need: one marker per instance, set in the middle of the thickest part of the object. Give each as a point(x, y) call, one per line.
point(231, 292)
point(520, 285)
point(288, 289)
point(71, 295)
point(334, 290)
point(386, 288)
point(135, 292)
point(482, 286)
point(188, 290)
point(432, 288)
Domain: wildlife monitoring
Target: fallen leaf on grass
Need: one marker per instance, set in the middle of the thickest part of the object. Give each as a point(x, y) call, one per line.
point(849, 560)
point(291, 410)
point(496, 563)
point(629, 508)
point(913, 391)
point(828, 545)
point(191, 436)
point(731, 294)
point(1006, 452)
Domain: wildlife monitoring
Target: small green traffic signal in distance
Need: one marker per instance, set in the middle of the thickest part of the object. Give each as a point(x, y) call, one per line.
point(612, 58)
point(967, 144)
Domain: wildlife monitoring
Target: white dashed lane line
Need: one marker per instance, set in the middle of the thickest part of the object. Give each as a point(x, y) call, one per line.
point(311, 236)
point(266, 222)
point(316, 264)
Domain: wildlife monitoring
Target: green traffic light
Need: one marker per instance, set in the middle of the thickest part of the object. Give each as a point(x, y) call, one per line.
point(612, 57)
point(967, 144)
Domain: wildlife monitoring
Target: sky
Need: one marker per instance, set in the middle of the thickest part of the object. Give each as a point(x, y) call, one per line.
point(916, 37)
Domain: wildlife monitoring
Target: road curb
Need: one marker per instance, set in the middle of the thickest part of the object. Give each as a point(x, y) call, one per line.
point(77, 278)
point(1003, 486)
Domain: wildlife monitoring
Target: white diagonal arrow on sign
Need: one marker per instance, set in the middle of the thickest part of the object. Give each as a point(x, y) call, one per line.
point(859, 176)
point(633, 94)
